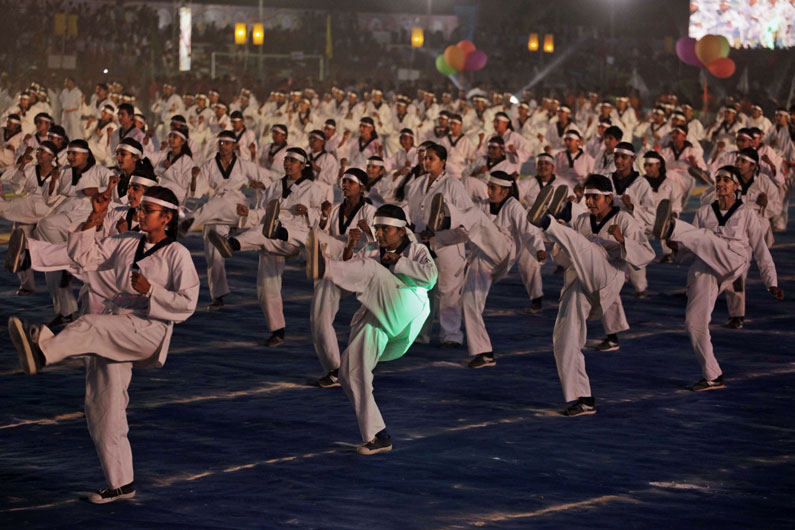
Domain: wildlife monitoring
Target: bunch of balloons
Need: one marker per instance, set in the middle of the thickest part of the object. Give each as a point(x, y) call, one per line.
point(710, 51)
point(463, 57)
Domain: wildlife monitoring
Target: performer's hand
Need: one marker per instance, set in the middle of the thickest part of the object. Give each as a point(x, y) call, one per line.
point(363, 226)
point(139, 282)
point(122, 226)
point(761, 200)
point(354, 234)
point(163, 146)
point(325, 208)
point(300, 209)
point(627, 200)
point(390, 258)
point(615, 231)
point(427, 234)
point(777, 292)
point(541, 255)
point(242, 210)
point(256, 185)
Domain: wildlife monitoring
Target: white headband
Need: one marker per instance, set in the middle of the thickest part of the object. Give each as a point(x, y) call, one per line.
point(455, 120)
point(77, 150)
point(572, 135)
point(178, 133)
point(297, 156)
point(129, 148)
point(502, 118)
point(45, 118)
point(137, 179)
point(279, 128)
point(407, 134)
point(542, 156)
point(746, 135)
point(728, 174)
point(376, 163)
point(624, 152)
point(748, 158)
point(389, 221)
point(317, 136)
point(594, 191)
point(169, 205)
point(658, 111)
point(496, 144)
point(500, 182)
point(45, 148)
point(354, 178)
point(680, 129)
point(14, 120)
point(564, 108)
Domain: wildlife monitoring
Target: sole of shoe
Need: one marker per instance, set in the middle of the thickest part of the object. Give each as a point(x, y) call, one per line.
point(580, 413)
point(24, 349)
point(437, 212)
point(557, 201)
point(220, 243)
point(96, 498)
point(706, 388)
point(662, 219)
point(324, 384)
point(274, 342)
point(271, 218)
point(16, 244)
point(610, 348)
point(541, 205)
point(362, 450)
point(478, 366)
point(313, 256)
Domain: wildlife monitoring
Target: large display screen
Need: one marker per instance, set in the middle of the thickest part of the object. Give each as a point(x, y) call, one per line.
point(745, 23)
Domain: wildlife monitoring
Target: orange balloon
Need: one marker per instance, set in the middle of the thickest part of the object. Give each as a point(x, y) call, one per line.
point(455, 57)
point(722, 67)
point(709, 48)
point(467, 46)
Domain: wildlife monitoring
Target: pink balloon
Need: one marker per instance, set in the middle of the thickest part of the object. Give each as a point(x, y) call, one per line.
point(686, 51)
point(476, 60)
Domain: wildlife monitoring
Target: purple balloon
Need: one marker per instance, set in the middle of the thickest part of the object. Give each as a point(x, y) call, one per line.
point(686, 51)
point(476, 60)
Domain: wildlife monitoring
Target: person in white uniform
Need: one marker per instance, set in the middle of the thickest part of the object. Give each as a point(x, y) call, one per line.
point(325, 168)
point(722, 239)
point(460, 150)
point(10, 140)
point(175, 166)
point(572, 164)
point(603, 161)
point(662, 188)
point(126, 128)
point(71, 99)
point(391, 278)
point(594, 252)
point(245, 138)
point(156, 285)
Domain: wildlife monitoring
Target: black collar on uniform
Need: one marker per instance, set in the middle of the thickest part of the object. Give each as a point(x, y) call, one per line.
point(343, 223)
point(597, 226)
point(745, 187)
point(287, 189)
point(573, 159)
point(130, 217)
point(141, 254)
point(490, 164)
point(723, 218)
point(494, 208)
point(398, 251)
point(655, 183)
point(228, 171)
point(621, 185)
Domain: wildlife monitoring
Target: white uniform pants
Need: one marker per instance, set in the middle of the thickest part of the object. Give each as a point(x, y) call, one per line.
point(530, 272)
point(325, 304)
point(216, 266)
point(637, 278)
point(26, 278)
point(446, 295)
point(735, 296)
point(718, 265)
point(383, 329)
point(597, 282)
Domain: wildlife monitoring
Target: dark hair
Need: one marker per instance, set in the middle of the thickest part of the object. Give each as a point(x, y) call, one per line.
point(391, 210)
point(502, 175)
point(143, 168)
point(126, 107)
point(440, 151)
point(600, 182)
point(165, 194)
point(614, 132)
point(654, 155)
point(84, 145)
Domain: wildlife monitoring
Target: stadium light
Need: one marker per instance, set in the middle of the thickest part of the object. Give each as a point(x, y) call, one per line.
point(549, 43)
point(417, 38)
point(532, 43)
point(258, 35)
point(240, 33)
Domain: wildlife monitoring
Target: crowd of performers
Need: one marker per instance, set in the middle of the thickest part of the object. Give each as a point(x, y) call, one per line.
point(417, 208)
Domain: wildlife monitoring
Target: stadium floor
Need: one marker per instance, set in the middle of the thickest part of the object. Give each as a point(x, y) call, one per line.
point(229, 435)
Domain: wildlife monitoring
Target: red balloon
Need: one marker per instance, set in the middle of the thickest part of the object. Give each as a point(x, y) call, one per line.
point(722, 68)
point(467, 46)
point(476, 60)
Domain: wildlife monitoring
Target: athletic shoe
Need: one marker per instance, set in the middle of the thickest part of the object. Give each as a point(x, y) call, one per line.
point(437, 213)
point(275, 340)
point(16, 248)
point(663, 221)
point(539, 208)
point(735, 323)
point(22, 291)
point(220, 243)
point(536, 305)
point(642, 294)
point(607, 345)
point(26, 342)
point(271, 221)
point(315, 261)
point(107, 495)
point(557, 200)
point(184, 227)
point(482, 360)
point(706, 384)
point(450, 345)
point(60, 321)
point(380, 444)
point(580, 408)
point(217, 304)
point(330, 380)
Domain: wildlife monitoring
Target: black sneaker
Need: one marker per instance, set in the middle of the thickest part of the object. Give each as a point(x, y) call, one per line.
point(450, 345)
point(380, 444)
point(61, 320)
point(220, 243)
point(217, 304)
point(706, 384)
point(315, 261)
point(23, 291)
point(271, 219)
point(330, 380)
point(663, 221)
point(437, 213)
point(184, 227)
point(26, 342)
point(107, 495)
point(557, 201)
point(641, 294)
point(16, 248)
point(580, 408)
point(539, 208)
point(275, 340)
point(607, 345)
point(536, 306)
point(482, 360)
point(735, 323)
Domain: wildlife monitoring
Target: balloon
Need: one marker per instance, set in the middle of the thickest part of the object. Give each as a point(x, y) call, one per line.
point(467, 46)
point(443, 67)
point(455, 57)
point(708, 49)
point(722, 67)
point(724, 46)
point(686, 51)
point(476, 60)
